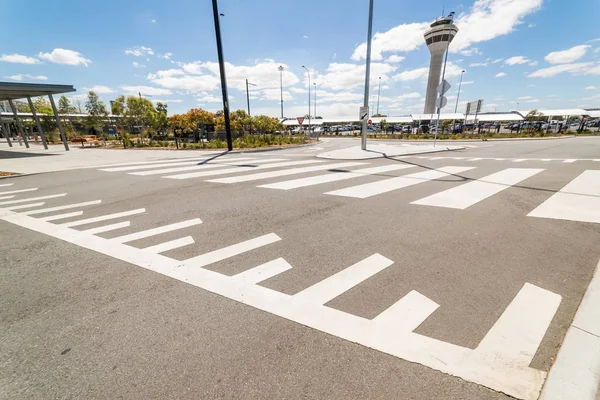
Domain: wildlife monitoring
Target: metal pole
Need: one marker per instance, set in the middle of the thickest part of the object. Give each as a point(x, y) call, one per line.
point(315, 84)
point(248, 96)
point(457, 97)
point(60, 127)
point(19, 125)
point(309, 121)
point(7, 133)
point(363, 140)
point(281, 86)
point(37, 122)
point(437, 125)
point(378, 94)
point(223, 77)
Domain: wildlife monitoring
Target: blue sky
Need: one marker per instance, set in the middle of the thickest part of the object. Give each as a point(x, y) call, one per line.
point(537, 53)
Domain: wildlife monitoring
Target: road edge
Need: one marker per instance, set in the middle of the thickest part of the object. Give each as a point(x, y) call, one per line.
point(576, 372)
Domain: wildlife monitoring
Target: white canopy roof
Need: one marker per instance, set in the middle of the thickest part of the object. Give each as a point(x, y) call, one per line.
point(421, 117)
point(500, 117)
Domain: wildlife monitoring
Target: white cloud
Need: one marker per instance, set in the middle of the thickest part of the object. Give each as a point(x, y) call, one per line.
point(167, 101)
point(410, 75)
point(187, 82)
point(533, 63)
point(524, 98)
point(497, 60)
point(153, 21)
point(593, 40)
point(567, 56)
point(166, 56)
point(20, 77)
point(18, 59)
point(597, 50)
point(516, 60)
point(393, 59)
point(470, 52)
point(591, 88)
point(405, 37)
point(298, 90)
point(137, 65)
point(64, 56)
point(209, 98)
point(481, 64)
point(587, 68)
point(304, 37)
point(334, 56)
point(145, 90)
point(531, 26)
point(344, 76)
point(139, 51)
point(500, 75)
point(275, 94)
point(531, 85)
point(99, 89)
point(468, 82)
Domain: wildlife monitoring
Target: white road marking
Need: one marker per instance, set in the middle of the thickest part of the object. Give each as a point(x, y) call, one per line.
point(571, 160)
point(468, 194)
point(407, 313)
point(285, 172)
point(107, 228)
point(61, 216)
point(333, 177)
point(263, 272)
point(157, 231)
point(513, 378)
point(204, 166)
point(516, 336)
point(6, 184)
point(170, 245)
point(577, 201)
point(242, 169)
point(60, 208)
point(152, 162)
point(545, 159)
point(435, 158)
point(18, 191)
point(8, 197)
point(474, 159)
point(520, 160)
point(230, 251)
point(52, 196)
point(500, 159)
point(171, 164)
point(103, 218)
point(388, 185)
point(330, 288)
point(32, 205)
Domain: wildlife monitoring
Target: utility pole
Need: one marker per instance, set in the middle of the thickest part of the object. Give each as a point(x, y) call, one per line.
point(222, 72)
point(457, 97)
point(248, 99)
point(281, 86)
point(378, 94)
point(315, 84)
point(309, 123)
point(363, 140)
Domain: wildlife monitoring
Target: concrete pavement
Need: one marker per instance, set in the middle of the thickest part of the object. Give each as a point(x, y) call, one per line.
point(454, 279)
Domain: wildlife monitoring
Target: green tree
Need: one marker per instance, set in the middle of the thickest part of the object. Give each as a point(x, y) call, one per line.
point(97, 113)
point(265, 124)
point(384, 125)
point(239, 121)
point(64, 106)
point(117, 106)
point(45, 113)
point(159, 121)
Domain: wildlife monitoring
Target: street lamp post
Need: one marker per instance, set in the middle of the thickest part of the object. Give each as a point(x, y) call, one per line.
point(222, 73)
point(378, 94)
point(248, 100)
point(281, 86)
point(315, 84)
point(363, 139)
point(309, 122)
point(457, 97)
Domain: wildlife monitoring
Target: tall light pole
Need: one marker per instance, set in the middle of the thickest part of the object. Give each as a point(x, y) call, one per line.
point(315, 84)
point(281, 86)
point(222, 72)
point(363, 139)
point(309, 123)
point(248, 94)
point(441, 96)
point(378, 94)
point(457, 97)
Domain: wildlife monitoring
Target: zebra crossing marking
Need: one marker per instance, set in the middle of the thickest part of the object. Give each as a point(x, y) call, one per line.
point(7, 197)
point(391, 184)
point(242, 169)
point(168, 164)
point(286, 172)
point(51, 196)
point(6, 184)
point(579, 200)
point(157, 231)
point(62, 216)
point(500, 362)
point(103, 218)
point(335, 177)
point(468, 194)
point(205, 166)
point(107, 228)
point(18, 191)
point(60, 208)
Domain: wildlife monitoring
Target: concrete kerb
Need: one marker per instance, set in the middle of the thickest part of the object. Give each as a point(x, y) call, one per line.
point(576, 372)
point(466, 140)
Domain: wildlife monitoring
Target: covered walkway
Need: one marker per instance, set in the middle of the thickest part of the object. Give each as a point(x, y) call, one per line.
point(10, 91)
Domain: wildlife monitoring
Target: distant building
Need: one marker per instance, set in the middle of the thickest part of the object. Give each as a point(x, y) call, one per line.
point(437, 38)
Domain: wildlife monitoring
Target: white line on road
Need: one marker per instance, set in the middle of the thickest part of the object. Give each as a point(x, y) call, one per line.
point(577, 201)
point(170, 245)
point(330, 288)
point(285, 172)
point(569, 161)
point(107, 228)
point(407, 313)
point(18, 191)
point(7, 197)
point(230, 251)
point(263, 272)
point(333, 177)
point(169, 164)
point(206, 166)
point(61, 216)
point(52, 196)
point(101, 167)
point(471, 193)
point(241, 169)
point(474, 159)
point(60, 208)
point(515, 337)
point(520, 160)
point(32, 205)
point(388, 185)
point(6, 184)
point(157, 231)
point(103, 218)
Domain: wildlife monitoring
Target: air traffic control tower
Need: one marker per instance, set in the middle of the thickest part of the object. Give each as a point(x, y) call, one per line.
point(438, 37)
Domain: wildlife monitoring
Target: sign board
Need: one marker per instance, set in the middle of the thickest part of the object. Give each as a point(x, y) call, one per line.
point(474, 107)
point(370, 122)
point(363, 113)
point(300, 120)
point(441, 102)
point(443, 87)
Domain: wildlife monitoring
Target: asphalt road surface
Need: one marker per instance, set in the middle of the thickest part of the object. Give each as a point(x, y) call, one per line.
point(280, 275)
